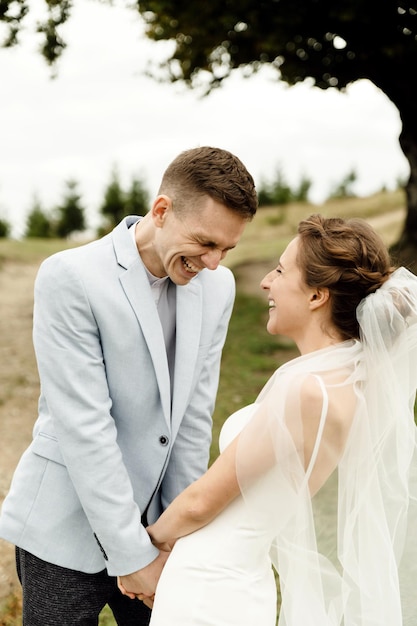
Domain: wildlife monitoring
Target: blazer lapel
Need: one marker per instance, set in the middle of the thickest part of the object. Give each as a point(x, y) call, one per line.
point(136, 286)
point(189, 320)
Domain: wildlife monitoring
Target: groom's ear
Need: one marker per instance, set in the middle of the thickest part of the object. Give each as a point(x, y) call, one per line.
point(319, 297)
point(161, 206)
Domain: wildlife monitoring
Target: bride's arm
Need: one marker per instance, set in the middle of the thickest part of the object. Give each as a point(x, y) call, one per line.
point(199, 503)
point(268, 440)
point(204, 499)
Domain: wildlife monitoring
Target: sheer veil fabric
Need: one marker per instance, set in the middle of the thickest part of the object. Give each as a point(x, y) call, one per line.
point(329, 459)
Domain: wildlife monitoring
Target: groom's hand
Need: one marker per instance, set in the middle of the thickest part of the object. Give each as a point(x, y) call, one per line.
point(164, 545)
point(142, 583)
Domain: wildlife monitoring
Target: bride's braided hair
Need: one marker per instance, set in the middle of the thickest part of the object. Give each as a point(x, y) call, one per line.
point(346, 256)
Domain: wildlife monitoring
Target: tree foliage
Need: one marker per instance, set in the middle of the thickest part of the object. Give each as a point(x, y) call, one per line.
point(118, 203)
point(344, 188)
point(278, 191)
point(137, 197)
point(57, 12)
point(70, 213)
point(335, 43)
point(113, 207)
point(38, 223)
point(332, 43)
point(4, 228)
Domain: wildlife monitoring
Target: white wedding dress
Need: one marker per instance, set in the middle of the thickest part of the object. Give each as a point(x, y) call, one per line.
point(220, 575)
point(327, 468)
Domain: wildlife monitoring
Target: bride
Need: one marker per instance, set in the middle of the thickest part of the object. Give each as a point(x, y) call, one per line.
point(316, 478)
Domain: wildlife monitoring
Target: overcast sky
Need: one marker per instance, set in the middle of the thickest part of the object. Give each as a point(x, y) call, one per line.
point(101, 111)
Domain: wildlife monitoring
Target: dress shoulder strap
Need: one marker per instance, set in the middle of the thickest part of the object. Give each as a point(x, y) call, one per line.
point(320, 429)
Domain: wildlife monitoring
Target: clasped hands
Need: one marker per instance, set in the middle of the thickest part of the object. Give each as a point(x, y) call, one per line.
point(142, 583)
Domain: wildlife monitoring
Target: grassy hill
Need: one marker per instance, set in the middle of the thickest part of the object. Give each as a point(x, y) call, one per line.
point(250, 354)
point(271, 227)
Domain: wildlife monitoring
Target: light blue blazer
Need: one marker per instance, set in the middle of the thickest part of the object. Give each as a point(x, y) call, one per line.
point(110, 442)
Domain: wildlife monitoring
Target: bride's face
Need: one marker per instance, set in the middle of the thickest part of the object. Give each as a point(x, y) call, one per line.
point(288, 295)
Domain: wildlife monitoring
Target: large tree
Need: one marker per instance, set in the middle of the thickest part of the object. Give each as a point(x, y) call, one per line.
point(332, 43)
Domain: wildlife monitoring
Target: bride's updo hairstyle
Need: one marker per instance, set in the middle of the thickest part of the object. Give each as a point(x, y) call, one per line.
point(346, 256)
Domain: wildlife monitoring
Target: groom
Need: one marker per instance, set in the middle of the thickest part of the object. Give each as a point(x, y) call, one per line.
point(128, 334)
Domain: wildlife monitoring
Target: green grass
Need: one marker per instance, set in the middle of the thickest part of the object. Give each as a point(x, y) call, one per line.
point(106, 617)
point(267, 234)
point(31, 250)
point(11, 611)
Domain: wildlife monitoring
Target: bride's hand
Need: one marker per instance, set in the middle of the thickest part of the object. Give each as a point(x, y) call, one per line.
point(147, 601)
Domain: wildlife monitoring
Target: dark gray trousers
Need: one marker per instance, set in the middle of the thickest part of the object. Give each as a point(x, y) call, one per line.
point(57, 596)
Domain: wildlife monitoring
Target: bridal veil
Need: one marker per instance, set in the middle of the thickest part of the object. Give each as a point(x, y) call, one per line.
point(329, 459)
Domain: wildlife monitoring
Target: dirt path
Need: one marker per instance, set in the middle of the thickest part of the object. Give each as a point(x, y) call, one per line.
point(18, 387)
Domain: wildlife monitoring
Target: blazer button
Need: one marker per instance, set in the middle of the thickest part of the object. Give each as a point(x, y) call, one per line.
point(163, 440)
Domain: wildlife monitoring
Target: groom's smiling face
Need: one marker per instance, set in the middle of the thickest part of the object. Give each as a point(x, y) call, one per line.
point(189, 241)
